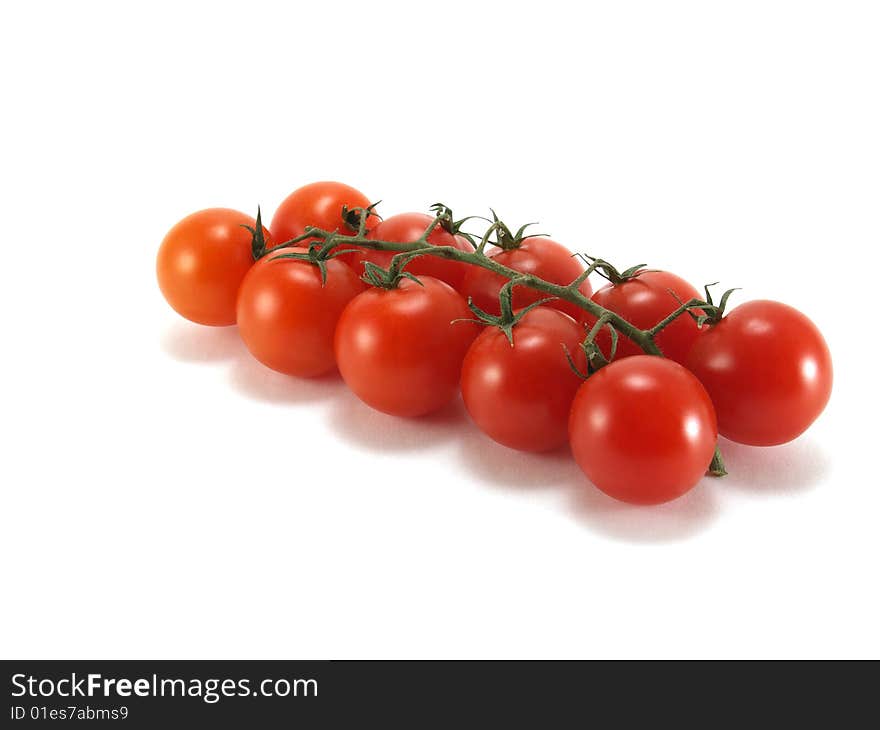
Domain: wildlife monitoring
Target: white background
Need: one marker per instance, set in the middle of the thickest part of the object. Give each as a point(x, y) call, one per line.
point(165, 496)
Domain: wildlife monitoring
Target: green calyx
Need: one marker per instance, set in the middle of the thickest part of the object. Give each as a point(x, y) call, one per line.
point(508, 319)
point(355, 219)
point(596, 359)
point(446, 221)
point(318, 253)
point(389, 278)
point(507, 239)
point(258, 239)
point(712, 313)
point(610, 272)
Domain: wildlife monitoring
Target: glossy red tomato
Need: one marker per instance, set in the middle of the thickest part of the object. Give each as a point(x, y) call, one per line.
point(320, 205)
point(400, 350)
point(287, 316)
point(768, 371)
point(644, 301)
point(537, 255)
point(643, 429)
point(408, 227)
point(202, 261)
point(521, 394)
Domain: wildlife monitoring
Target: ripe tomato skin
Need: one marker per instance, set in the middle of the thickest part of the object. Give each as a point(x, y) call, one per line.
point(644, 301)
point(400, 351)
point(407, 227)
point(521, 396)
point(287, 318)
point(463, 243)
point(202, 261)
point(643, 429)
point(540, 256)
point(319, 204)
point(768, 371)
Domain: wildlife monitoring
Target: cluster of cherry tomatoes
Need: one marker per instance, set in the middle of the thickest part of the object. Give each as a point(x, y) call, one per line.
point(642, 428)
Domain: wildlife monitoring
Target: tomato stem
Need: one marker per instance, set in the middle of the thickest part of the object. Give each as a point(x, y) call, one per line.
point(716, 467)
point(595, 357)
point(420, 247)
point(684, 308)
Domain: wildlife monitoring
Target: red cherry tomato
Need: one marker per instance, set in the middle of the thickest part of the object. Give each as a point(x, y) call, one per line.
point(400, 350)
point(521, 394)
point(537, 255)
point(643, 429)
point(408, 227)
point(287, 316)
point(320, 205)
point(644, 301)
point(768, 371)
point(202, 261)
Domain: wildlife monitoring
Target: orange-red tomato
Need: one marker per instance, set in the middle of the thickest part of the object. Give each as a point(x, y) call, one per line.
point(400, 350)
point(202, 262)
point(643, 429)
point(320, 205)
point(645, 300)
point(287, 316)
point(521, 394)
point(537, 255)
point(768, 371)
point(408, 227)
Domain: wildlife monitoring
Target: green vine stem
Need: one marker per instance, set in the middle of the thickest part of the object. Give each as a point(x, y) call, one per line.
point(420, 247)
point(644, 338)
